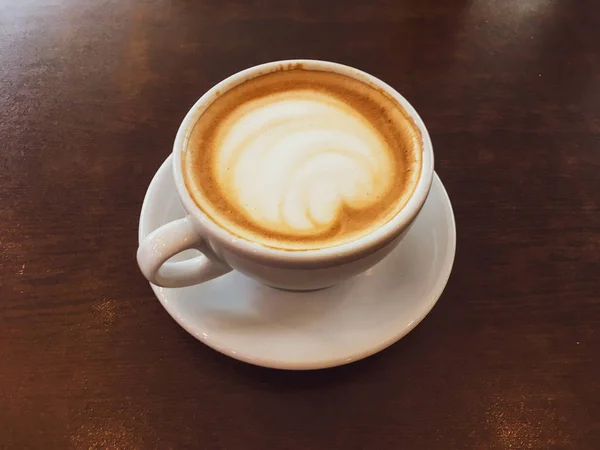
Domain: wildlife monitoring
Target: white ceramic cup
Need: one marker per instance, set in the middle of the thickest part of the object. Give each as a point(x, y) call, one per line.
point(295, 270)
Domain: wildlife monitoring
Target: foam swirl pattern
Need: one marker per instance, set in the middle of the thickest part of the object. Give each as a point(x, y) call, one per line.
point(293, 161)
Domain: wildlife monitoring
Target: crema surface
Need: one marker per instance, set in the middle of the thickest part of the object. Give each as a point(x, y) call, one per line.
point(300, 159)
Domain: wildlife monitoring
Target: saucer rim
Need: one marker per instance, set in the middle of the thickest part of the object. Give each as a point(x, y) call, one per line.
point(438, 289)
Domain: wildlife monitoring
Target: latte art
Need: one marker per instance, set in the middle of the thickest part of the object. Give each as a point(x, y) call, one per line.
point(293, 161)
point(301, 159)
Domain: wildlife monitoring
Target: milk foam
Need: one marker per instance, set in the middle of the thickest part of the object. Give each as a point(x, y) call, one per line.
point(292, 161)
point(299, 159)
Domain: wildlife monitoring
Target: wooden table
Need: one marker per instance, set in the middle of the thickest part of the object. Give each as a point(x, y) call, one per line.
point(91, 95)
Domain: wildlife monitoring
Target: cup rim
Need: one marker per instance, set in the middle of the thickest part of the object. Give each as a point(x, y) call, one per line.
point(339, 253)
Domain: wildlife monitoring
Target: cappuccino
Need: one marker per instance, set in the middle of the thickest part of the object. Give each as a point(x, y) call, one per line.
point(302, 159)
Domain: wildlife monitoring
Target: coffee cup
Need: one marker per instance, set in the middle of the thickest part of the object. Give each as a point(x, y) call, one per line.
point(282, 249)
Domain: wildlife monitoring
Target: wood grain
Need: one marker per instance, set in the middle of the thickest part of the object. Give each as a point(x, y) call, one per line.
point(91, 95)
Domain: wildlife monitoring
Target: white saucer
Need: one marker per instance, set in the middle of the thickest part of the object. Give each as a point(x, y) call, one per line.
point(291, 330)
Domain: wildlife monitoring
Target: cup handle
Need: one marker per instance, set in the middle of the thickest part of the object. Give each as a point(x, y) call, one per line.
point(169, 240)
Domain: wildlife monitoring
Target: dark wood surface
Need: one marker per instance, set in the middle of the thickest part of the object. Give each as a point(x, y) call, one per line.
point(91, 95)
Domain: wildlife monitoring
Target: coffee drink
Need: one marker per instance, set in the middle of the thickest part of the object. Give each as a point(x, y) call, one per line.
point(302, 159)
